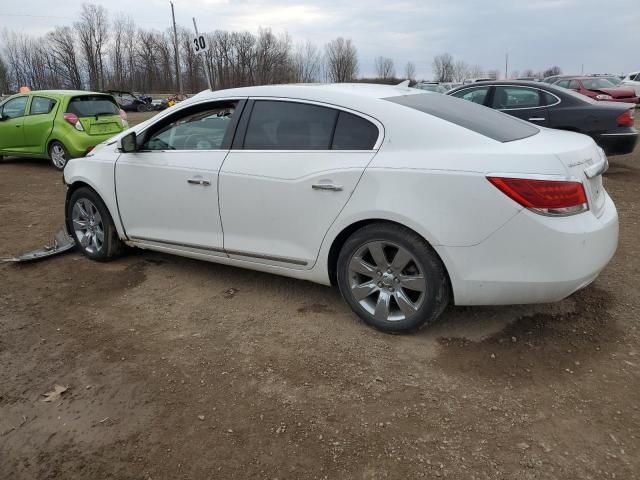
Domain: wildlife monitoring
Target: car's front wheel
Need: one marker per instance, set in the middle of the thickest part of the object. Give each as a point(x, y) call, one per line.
point(91, 226)
point(58, 155)
point(392, 278)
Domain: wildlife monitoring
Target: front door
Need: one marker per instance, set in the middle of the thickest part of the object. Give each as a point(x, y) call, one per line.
point(38, 124)
point(11, 125)
point(523, 102)
point(168, 190)
point(289, 175)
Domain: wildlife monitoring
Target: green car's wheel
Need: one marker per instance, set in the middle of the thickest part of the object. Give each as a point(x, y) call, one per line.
point(58, 155)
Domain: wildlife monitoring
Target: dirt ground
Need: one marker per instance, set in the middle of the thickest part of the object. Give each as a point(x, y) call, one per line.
point(178, 369)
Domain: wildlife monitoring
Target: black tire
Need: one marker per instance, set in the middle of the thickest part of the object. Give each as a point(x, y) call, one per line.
point(111, 246)
point(429, 303)
point(55, 150)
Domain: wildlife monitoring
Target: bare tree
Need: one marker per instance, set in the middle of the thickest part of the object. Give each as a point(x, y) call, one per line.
point(493, 74)
point(93, 33)
point(410, 71)
point(4, 77)
point(307, 63)
point(528, 73)
point(341, 58)
point(62, 46)
point(443, 67)
point(460, 71)
point(549, 72)
point(476, 71)
point(384, 67)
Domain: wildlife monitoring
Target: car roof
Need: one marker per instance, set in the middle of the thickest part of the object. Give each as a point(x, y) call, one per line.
point(523, 83)
point(63, 93)
point(344, 94)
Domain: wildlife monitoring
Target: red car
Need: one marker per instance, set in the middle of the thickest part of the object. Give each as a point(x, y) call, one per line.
point(599, 89)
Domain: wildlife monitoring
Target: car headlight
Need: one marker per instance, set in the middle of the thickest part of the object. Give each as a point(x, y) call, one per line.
point(602, 96)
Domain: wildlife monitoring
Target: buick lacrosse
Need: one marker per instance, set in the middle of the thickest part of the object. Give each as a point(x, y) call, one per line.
point(405, 200)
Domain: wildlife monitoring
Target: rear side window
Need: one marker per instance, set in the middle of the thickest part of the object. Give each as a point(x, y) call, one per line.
point(92, 106)
point(354, 133)
point(485, 121)
point(475, 95)
point(41, 105)
point(276, 125)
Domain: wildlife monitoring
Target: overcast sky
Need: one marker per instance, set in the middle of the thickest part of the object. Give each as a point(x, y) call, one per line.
point(604, 36)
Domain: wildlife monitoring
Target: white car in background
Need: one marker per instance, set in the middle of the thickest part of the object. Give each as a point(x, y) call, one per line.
point(633, 80)
point(405, 200)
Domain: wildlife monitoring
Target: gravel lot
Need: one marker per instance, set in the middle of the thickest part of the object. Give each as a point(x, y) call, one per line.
point(178, 369)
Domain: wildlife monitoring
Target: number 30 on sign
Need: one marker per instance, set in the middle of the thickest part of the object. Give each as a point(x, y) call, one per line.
point(199, 44)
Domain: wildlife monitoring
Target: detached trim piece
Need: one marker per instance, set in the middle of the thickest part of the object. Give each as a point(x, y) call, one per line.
point(293, 261)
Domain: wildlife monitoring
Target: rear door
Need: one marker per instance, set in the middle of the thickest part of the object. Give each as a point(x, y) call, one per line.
point(12, 123)
point(39, 123)
point(293, 167)
point(98, 114)
point(527, 103)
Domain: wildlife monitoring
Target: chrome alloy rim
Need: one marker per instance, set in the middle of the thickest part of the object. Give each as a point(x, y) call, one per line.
point(87, 225)
point(58, 156)
point(387, 281)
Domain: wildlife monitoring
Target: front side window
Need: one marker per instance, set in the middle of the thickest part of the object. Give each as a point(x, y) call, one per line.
point(15, 107)
point(515, 97)
point(475, 95)
point(41, 106)
point(277, 125)
point(202, 128)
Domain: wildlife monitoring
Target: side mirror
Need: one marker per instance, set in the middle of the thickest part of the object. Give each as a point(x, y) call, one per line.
point(128, 143)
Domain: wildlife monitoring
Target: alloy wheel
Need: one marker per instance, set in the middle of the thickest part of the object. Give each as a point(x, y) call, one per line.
point(58, 156)
point(386, 280)
point(87, 225)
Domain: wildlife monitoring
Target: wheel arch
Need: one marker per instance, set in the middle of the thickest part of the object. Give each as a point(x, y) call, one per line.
point(77, 184)
point(346, 232)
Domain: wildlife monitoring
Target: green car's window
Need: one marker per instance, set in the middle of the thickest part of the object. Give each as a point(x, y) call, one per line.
point(14, 108)
point(201, 130)
point(41, 105)
point(93, 106)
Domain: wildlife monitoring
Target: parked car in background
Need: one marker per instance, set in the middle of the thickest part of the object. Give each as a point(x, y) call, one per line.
point(554, 78)
point(614, 79)
point(609, 124)
point(130, 102)
point(409, 212)
point(598, 88)
point(57, 124)
point(475, 80)
point(632, 80)
point(431, 87)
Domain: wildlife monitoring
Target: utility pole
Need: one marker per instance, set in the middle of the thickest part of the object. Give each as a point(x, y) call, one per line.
point(506, 66)
point(176, 55)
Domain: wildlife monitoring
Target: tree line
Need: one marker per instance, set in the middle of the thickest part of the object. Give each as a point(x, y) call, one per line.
point(99, 53)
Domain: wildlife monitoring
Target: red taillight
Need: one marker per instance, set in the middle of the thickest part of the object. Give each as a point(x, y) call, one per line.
point(549, 197)
point(73, 119)
point(625, 119)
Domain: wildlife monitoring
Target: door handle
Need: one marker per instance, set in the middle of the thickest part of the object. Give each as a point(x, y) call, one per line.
point(199, 181)
point(537, 119)
point(327, 186)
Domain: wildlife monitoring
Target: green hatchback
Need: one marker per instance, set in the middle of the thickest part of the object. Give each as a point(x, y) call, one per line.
point(58, 124)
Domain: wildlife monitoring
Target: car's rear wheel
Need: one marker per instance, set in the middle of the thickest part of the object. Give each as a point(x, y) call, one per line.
point(392, 278)
point(91, 226)
point(58, 155)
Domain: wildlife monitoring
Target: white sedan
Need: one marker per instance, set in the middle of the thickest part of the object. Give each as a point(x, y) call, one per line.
point(405, 200)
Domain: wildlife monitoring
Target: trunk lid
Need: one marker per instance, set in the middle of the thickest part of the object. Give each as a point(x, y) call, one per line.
point(101, 125)
point(98, 114)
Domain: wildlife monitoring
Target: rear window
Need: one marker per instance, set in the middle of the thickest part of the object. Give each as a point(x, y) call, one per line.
point(93, 105)
point(485, 121)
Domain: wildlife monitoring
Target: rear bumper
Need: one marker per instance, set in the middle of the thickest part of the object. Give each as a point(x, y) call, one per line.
point(533, 259)
point(617, 143)
point(79, 145)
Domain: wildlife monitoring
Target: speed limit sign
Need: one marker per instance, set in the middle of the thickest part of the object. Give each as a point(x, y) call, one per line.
point(199, 44)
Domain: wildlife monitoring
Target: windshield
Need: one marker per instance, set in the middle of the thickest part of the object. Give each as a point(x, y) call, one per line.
point(596, 83)
point(93, 106)
point(469, 115)
point(570, 93)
